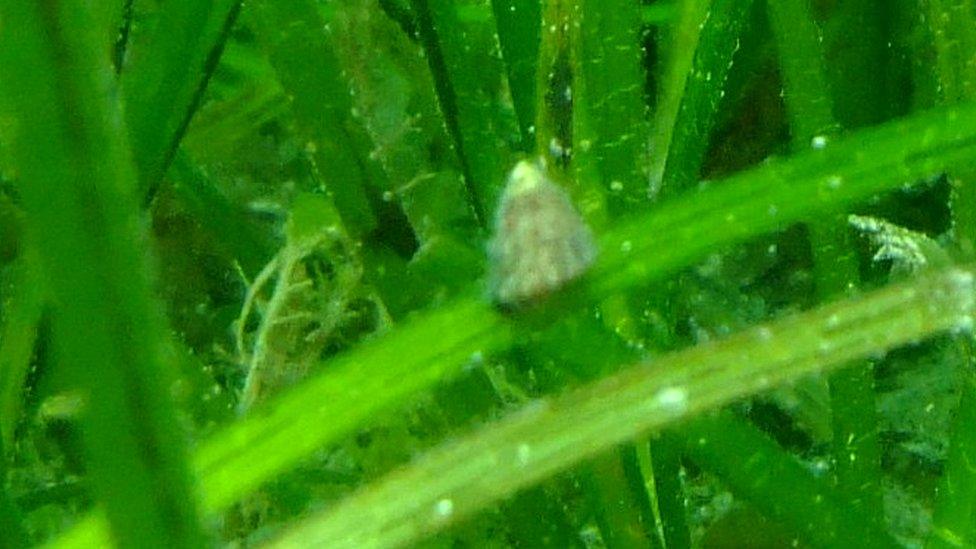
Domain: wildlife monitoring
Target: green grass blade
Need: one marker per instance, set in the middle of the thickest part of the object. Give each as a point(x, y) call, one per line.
point(519, 28)
point(678, 152)
point(759, 200)
point(78, 187)
point(704, 90)
point(235, 234)
point(18, 335)
point(394, 96)
point(613, 502)
point(609, 130)
point(857, 454)
point(669, 493)
point(953, 28)
point(167, 69)
point(609, 115)
point(806, 93)
point(417, 355)
point(308, 70)
point(755, 468)
point(461, 46)
point(680, 62)
point(548, 435)
point(856, 45)
point(952, 24)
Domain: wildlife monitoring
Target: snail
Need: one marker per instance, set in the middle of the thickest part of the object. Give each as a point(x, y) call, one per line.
point(540, 242)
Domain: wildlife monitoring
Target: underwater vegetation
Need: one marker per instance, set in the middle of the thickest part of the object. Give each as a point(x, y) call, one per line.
point(487, 273)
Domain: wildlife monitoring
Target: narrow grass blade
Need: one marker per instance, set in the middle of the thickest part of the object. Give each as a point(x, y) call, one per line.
point(461, 46)
point(680, 62)
point(704, 90)
point(856, 45)
point(609, 130)
point(613, 502)
point(952, 24)
point(394, 97)
point(78, 187)
point(309, 72)
point(806, 93)
point(548, 435)
point(844, 171)
point(519, 27)
point(953, 28)
point(857, 454)
point(609, 114)
point(669, 493)
point(18, 335)
point(240, 238)
point(167, 69)
point(755, 468)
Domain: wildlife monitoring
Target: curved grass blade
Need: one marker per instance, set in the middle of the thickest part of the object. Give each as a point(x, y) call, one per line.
point(462, 477)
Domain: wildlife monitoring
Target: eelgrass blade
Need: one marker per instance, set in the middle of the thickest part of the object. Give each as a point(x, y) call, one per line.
point(18, 335)
point(548, 435)
point(519, 27)
point(609, 130)
point(673, 78)
point(952, 24)
point(704, 90)
point(609, 115)
point(756, 469)
point(856, 450)
point(78, 187)
point(394, 97)
point(294, 37)
point(953, 28)
point(459, 39)
point(167, 69)
point(856, 44)
point(759, 200)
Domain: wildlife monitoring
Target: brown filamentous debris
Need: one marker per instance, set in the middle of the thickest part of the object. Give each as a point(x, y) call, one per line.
point(540, 242)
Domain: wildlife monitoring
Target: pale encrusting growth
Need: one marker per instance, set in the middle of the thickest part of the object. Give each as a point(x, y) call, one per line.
point(540, 242)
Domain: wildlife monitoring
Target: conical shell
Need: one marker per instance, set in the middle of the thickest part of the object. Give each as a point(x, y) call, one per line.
point(540, 242)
